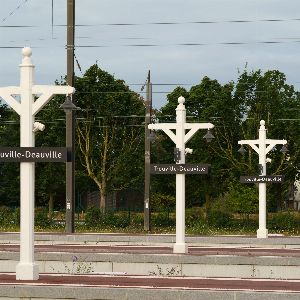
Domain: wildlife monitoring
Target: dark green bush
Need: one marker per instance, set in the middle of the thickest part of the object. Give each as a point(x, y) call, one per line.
point(283, 221)
point(137, 220)
point(41, 218)
point(95, 218)
point(6, 215)
point(194, 216)
point(162, 220)
point(120, 220)
point(218, 218)
point(161, 202)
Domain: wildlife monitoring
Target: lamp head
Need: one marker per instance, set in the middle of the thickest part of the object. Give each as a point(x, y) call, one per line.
point(284, 149)
point(68, 106)
point(242, 150)
point(208, 136)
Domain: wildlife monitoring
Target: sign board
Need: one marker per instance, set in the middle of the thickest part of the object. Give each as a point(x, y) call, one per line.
point(33, 154)
point(179, 169)
point(262, 179)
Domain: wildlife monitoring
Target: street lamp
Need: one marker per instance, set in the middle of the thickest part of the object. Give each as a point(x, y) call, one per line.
point(68, 106)
point(262, 146)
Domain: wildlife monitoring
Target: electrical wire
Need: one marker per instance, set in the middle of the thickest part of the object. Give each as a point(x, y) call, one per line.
point(167, 45)
point(163, 23)
point(14, 10)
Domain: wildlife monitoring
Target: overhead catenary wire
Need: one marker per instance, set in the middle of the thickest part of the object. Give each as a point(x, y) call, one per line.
point(161, 23)
point(233, 43)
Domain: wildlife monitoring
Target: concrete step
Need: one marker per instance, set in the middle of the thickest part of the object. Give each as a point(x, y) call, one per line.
point(274, 240)
point(229, 262)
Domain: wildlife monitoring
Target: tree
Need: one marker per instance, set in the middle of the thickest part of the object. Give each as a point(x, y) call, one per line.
point(9, 171)
point(236, 109)
point(109, 132)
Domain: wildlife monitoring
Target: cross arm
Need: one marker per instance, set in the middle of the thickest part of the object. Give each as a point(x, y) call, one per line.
point(194, 127)
point(166, 127)
point(273, 143)
point(251, 143)
point(7, 92)
point(47, 92)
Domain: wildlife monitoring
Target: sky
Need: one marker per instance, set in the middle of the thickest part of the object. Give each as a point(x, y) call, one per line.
point(179, 41)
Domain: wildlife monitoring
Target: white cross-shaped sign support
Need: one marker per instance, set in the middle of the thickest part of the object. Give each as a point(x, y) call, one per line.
point(27, 108)
point(262, 146)
point(180, 138)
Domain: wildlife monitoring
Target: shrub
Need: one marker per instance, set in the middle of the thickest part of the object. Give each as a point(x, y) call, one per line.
point(162, 220)
point(95, 218)
point(194, 216)
point(137, 220)
point(6, 215)
point(283, 221)
point(161, 202)
point(218, 218)
point(41, 218)
point(241, 198)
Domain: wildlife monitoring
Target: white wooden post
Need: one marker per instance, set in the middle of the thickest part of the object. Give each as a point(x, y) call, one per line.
point(264, 146)
point(27, 108)
point(180, 138)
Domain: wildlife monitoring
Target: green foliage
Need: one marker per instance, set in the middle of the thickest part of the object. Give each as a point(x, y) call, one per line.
point(219, 218)
point(162, 219)
point(97, 218)
point(41, 218)
point(241, 198)
point(162, 202)
point(109, 136)
point(284, 221)
point(194, 216)
point(6, 215)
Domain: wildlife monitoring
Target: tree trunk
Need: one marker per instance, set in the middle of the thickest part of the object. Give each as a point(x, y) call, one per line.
point(103, 196)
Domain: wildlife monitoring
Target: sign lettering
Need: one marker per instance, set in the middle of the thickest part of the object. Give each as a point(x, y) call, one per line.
point(33, 154)
point(262, 179)
point(179, 169)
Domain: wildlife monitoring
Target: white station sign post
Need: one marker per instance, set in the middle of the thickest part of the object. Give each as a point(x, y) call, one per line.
point(32, 99)
point(263, 146)
point(180, 138)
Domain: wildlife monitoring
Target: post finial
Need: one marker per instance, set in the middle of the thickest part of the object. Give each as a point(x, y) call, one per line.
point(181, 100)
point(27, 53)
point(262, 122)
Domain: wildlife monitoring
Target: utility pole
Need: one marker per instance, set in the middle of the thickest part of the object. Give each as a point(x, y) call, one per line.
point(147, 154)
point(70, 121)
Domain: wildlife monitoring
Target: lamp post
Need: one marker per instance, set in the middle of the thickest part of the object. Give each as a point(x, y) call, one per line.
point(180, 138)
point(262, 146)
point(27, 108)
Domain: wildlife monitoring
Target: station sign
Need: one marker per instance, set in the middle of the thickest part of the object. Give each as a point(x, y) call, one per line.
point(33, 154)
point(262, 179)
point(179, 168)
